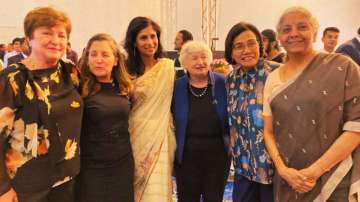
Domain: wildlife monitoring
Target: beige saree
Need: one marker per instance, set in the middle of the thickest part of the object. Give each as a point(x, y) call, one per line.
point(152, 134)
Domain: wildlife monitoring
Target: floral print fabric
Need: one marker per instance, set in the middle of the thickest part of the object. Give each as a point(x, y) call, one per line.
point(245, 103)
point(40, 116)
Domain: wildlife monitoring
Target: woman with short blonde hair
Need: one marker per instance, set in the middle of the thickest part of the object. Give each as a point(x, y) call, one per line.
point(201, 128)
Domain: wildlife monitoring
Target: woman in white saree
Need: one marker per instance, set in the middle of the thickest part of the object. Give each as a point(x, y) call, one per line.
point(150, 121)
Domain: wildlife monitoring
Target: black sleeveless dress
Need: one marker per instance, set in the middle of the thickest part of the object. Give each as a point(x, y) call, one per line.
point(107, 165)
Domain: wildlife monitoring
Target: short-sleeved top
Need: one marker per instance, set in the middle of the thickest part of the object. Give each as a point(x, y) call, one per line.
point(273, 83)
point(272, 86)
point(40, 123)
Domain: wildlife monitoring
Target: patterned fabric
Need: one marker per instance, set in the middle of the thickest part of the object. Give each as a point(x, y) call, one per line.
point(310, 111)
point(152, 133)
point(245, 103)
point(40, 122)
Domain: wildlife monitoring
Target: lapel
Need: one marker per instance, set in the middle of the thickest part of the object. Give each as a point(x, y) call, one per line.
point(183, 97)
point(217, 94)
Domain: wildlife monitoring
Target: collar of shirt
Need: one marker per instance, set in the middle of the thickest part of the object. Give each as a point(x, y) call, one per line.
point(24, 55)
point(239, 72)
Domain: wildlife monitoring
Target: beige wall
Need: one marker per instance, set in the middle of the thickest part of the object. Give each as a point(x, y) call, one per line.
point(88, 16)
point(343, 14)
point(112, 16)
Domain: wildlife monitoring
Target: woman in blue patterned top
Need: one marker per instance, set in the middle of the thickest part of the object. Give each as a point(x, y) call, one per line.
point(253, 167)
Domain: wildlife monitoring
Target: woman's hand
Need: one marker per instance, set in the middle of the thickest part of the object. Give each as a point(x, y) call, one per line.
point(9, 196)
point(297, 180)
point(220, 66)
point(312, 172)
point(219, 63)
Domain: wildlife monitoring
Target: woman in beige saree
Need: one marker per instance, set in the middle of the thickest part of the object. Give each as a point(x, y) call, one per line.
point(150, 120)
point(312, 118)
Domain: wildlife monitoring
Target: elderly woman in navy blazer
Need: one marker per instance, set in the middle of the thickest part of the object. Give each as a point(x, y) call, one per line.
point(201, 127)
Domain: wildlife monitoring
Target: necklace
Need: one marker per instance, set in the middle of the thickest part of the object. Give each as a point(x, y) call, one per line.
point(200, 94)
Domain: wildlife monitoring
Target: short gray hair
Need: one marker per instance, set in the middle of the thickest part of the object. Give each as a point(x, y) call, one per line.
point(194, 47)
point(299, 9)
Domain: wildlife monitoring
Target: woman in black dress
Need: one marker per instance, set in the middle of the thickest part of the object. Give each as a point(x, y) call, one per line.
point(106, 157)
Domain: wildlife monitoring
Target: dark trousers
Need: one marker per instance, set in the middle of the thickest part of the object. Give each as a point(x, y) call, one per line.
point(250, 191)
point(61, 193)
point(202, 175)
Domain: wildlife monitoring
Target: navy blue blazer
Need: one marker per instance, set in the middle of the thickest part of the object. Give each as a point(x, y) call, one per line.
point(180, 109)
point(351, 48)
point(15, 59)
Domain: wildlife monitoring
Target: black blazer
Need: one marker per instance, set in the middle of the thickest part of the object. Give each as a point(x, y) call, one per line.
point(15, 59)
point(352, 49)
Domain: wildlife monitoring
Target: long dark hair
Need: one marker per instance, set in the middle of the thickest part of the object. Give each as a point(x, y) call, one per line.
point(234, 32)
point(134, 61)
point(119, 72)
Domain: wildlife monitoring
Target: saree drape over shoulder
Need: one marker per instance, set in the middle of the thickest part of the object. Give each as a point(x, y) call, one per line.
point(152, 134)
point(309, 113)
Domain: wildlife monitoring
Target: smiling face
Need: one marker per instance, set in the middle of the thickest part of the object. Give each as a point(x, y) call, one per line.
point(101, 60)
point(147, 42)
point(197, 64)
point(48, 44)
point(296, 33)
point(330, 40)
point(245, 49)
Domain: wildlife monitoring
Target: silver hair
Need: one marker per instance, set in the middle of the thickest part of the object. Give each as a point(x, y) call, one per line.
point(194, 47)
point(299, 9)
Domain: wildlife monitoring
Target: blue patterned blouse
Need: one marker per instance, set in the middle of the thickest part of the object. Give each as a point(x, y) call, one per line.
point(245, 103)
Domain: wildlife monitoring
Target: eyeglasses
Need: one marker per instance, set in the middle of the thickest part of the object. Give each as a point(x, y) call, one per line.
point(250, 44)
